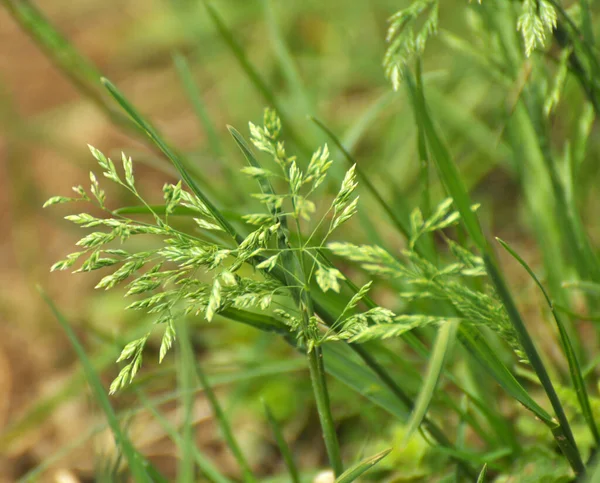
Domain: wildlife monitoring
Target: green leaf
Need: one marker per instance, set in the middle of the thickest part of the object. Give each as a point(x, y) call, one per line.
point(137, 463)
point(450, 176)
point(225, 426)
point(475, 343)
point(208, 469)
point(170, 154)
point(251, 72)
point(574, 367)
point(284, 448)
point(481, 477)
point(195, 98)
point(443, 343)
point(363, 466)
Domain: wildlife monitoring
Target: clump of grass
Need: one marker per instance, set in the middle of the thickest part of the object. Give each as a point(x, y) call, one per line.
point(455, 319)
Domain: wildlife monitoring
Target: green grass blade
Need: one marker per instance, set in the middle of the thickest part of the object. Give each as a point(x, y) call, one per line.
point(481, 477)
point(193, 94)
point(177, 161)
point(574, 367)
point(397, 222)
point(80, 70)
point(453, 183)
point(592, 288)
point(252, 74)
point(446, 167)
point(286, 59)
point(475, 343)
point(229, 215)
point(563, 433)
point(137, 464)
point(186, 376)
point(225, 427)
point(284, 448)
point(208, 469)
point(304, 302)
point(586, 22)
point(369, 116)
point(265, 184)
point(443, 343)
point(363, 466)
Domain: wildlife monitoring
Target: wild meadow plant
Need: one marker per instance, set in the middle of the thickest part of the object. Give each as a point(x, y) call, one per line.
point(282, 269)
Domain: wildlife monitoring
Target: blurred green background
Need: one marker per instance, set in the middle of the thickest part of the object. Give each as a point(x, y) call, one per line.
point(317, 58)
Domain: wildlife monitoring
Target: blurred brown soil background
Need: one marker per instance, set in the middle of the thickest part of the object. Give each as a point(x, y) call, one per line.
point(45, 125)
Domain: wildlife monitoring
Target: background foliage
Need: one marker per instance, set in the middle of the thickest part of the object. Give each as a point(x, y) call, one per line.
point(320, 59)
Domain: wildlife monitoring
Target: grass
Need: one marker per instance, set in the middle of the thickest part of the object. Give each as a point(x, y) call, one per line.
point(367, 261)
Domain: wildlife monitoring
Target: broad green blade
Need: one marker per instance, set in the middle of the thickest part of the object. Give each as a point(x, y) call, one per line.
point(284, 448)
point(137, 464)
point(443, 343)
point(363, 466)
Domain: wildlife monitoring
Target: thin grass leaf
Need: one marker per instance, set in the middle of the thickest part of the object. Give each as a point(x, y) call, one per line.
point(137, 464)
point(170, 154)
point(252, 74)
point(79, 69)
point(265, 184)
point(583, 285)
point(367, 119)
point(193, 94)
point(209, 470)
point(443, 343)
point(231, 216)
point(453, 182)
point(361, 467)
point(284, 448)
point(447, 169)
point(475, 343)
point(481, 477)
point(286, 59)
point(225, 426)
point(396, 221)
point(186, 376)
point(574, 367)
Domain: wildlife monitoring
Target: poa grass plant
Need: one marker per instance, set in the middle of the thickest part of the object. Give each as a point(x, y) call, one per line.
point(403, 300)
